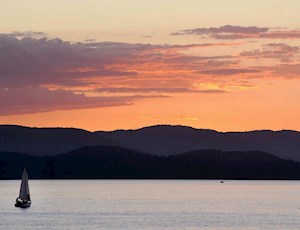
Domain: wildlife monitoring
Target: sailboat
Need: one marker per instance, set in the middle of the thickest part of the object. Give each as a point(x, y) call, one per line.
point(23, 201)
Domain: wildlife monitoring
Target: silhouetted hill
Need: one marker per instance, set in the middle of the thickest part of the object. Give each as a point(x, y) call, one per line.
point(169, 140)
point(105, 162)
point(46, 141)
point(238, 165)
point(158, 140)
point(12, 165)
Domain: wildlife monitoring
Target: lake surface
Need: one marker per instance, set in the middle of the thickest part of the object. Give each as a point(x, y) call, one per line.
point(152, 204)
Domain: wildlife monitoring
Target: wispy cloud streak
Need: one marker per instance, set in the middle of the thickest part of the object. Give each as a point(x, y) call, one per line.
point(231, 32)
point(283, 52)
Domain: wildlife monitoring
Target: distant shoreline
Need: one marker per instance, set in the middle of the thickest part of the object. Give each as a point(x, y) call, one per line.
point(108, 162)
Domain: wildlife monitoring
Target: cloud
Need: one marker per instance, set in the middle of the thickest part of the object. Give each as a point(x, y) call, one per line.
point(241, 32)
point(43, 74)
point(156, 90)
point(51, 60)
point(286, 70)
point(283, 52)
point(282, 34)
point(229, 71)
point(146, 36)
point(34, 100)
point(26, 34)
point(179, 118)
point(225, 32)
point(30, 61)
point(189, 46)
point(224, 29)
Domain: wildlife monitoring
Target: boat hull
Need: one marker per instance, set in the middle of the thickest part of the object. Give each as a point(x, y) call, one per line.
point(23, 205)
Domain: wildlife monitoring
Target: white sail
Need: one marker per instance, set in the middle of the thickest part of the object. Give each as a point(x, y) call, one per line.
point(24, 190)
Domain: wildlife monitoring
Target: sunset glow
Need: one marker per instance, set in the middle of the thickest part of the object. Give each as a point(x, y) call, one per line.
point(105, 65)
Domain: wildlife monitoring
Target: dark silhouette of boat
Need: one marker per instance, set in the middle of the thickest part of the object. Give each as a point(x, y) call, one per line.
point(23, 201)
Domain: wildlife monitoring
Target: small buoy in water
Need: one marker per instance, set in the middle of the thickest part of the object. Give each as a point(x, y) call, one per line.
point(222, 182)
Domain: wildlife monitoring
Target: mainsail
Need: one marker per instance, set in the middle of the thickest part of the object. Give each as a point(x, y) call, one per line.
point(24, 190)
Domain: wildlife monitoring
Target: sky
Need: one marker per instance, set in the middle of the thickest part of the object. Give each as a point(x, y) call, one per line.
point(105, 65)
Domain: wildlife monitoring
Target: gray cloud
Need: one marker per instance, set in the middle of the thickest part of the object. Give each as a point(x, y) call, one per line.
point(28, 34)
point(225, 32)
point(36, 99)
point(283, 52)
point(229, 71)
point(241, 32)
point(282, 34)
point(286, 70)
point(29, 61)
point(156, 90)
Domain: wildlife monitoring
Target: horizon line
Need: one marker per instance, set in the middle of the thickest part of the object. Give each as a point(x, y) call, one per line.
point(144, 127)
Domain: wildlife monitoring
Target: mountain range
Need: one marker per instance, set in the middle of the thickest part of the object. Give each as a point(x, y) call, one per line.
point(160, 140)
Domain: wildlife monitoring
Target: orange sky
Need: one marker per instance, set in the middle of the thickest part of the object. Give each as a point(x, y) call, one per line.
point(143, 66)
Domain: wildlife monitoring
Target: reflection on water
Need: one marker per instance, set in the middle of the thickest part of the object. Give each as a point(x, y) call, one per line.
point(152, 204)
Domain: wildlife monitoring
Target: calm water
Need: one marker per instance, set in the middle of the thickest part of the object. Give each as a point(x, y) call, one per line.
point(130, 204)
